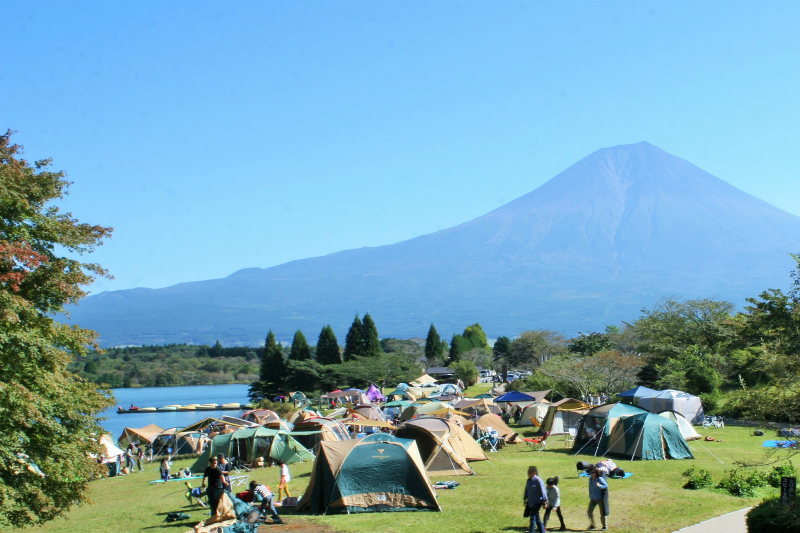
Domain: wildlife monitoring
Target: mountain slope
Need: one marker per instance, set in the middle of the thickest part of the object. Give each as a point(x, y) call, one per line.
point(615, 232)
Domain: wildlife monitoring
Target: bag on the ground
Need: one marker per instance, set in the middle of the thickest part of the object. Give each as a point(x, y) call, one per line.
point(758, 433)
point(175, 517)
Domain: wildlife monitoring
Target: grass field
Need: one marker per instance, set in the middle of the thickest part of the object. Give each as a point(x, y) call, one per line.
point(652, 500)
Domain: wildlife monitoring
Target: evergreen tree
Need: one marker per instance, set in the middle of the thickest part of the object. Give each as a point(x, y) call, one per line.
point(328, 347)
point(501, 349)
point(300, 351)
point(352, 343)
point(371, 345)
point(433, 345)
point(272, 374)
point(476, 337)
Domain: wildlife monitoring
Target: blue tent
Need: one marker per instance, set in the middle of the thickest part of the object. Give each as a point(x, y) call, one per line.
point(515, 396)
point(638, 392)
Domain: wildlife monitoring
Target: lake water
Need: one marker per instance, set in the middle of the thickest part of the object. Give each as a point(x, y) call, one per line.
point(159, 396)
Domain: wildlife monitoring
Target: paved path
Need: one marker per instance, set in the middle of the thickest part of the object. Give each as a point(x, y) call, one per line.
point(728, 523)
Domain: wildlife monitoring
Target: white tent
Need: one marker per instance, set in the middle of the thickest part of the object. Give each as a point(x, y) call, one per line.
point(111, 450)
point(535, 411)
point(681, 402)
point(686, 428)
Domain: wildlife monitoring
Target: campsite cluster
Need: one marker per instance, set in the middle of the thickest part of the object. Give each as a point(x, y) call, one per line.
point(376, 451)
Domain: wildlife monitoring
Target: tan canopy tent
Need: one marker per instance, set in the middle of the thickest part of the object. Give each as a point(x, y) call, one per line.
point(146, 433)
point(110, 450)
point(444, 446)
point(563, 415)
point(479, 406)
point(496, 423)
point(424, 379)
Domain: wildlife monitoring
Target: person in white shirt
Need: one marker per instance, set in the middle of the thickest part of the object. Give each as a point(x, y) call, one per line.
point(285, 479)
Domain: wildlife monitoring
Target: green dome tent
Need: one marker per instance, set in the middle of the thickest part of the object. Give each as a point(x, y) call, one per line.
point(249, 444)
point(377, 473)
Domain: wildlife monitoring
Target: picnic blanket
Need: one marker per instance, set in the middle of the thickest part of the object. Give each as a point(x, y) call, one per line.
point(780, 444)
point(176, 479)
point(626, 476)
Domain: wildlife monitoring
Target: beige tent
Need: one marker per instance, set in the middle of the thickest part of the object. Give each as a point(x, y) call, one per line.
point(147, 433)
point(563, 415)
point(424, 379)
point(110, 450)
point(535, 411)
point(444, 446)
point(496, 423)
point(479, 406)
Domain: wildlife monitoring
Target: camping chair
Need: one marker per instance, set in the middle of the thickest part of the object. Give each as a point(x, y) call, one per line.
point(194, 495)
point(569, 439)
point(538, 443)
point(491, 441)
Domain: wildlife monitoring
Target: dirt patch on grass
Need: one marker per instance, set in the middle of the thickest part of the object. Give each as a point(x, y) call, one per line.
point(295, 525)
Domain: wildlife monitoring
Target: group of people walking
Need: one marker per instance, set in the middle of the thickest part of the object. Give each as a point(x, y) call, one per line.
point(540, 494)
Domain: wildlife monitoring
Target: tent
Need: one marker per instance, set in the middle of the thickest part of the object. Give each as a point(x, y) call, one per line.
point(535, 411)
point(218, 425)
point(351, 396)
point(681, 402)
point(303, 414)
point(424, 379)
point(370, 412)
point(110, 450)
point(684, 426)
point(249, 444)
point(480, 406)
point(374, 394)
point(146, 433)
point(637, 392)
point(263, 417)
point(515, 397)
point(311, 432)
point(496, 423)
point(401, 394)
point(421, 408)
point(629, 431)
point(563, 415)
point(444, 446)
point(377, 473)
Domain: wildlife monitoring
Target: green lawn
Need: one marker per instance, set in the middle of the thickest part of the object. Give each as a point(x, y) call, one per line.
point(653, 500)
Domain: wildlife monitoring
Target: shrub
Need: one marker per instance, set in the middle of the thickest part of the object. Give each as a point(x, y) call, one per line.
point(784, 470)
point(744, 485)
point(700, 480)
point(770, 516)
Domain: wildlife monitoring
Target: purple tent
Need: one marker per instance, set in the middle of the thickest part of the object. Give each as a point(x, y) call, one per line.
point(374, 394)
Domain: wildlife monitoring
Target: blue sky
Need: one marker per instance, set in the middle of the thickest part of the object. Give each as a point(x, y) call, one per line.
point(215, 136)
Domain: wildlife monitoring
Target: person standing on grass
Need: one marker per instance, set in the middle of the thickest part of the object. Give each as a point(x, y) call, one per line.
point(140, 458)
point(224, 467)
point(554, 502)
point(129, 455)
point(285, 479)
point(164, 469)
point(598, 496)
point(535, 497)
point(216, 485)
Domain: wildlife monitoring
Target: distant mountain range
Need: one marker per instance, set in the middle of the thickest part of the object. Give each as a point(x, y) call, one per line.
point(615, 232)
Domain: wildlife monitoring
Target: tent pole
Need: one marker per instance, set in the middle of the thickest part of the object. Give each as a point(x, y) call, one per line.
point(637, 442)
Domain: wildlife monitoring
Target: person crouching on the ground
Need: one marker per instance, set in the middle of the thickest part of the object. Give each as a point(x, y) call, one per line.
point(216, 487)
point(262, 494)
point(535, 496)
point(285, 479)
point(598, 495)
point(553, 502)
point(164, 469)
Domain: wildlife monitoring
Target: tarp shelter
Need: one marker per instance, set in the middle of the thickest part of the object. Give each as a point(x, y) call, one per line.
point(218, 425)
point(631, 432)
point(535, 411)
point(249, 444)
point(684, 426)
point(515, 397)
point(681, 402)
point(444, 446)
point(563, 415)
point(497, 424)
point(351, 396)
point(311, 432)
point(374, 394)
point(140, 435)
point(637, 392)
point(377, 473)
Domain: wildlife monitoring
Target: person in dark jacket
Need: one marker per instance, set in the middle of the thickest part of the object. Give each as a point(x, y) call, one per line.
point(535, 497)
point(598, 496)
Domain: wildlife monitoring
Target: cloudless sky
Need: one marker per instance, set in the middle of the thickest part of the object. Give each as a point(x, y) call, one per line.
point(215, 136)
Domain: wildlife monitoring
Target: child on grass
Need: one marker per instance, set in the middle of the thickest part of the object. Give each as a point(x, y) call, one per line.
point(553, 502)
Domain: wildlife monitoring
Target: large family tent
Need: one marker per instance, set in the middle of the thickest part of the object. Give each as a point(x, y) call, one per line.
point(637, 392)
point(681, 402)
point(631, 432)
point(264, 417)
point(535, 411)
point(444, 446)
point(311, 432)
point(248, 445)
point(141, 435)
point(477, 406)
point(173, 442)
point(563, 415)
point(377, 473)
point(684, 426)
